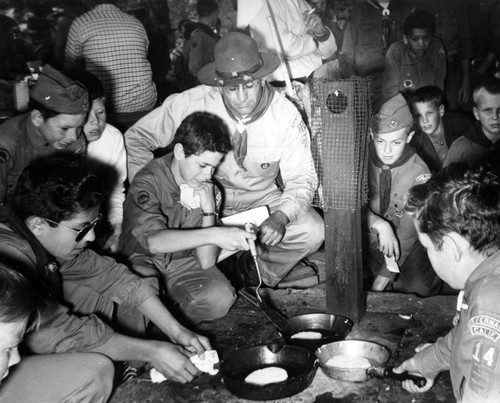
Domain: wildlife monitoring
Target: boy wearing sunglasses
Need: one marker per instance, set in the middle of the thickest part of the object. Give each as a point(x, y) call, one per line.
point(55, 208)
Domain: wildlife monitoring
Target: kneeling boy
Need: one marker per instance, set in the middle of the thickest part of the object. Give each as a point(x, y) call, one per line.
point(457, 217)
point(169, 229)
point(393, 169)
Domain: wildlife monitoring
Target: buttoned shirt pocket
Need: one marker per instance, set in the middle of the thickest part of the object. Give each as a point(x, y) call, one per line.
point(262, 161)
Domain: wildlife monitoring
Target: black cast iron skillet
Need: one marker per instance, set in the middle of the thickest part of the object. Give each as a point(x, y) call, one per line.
point(332, 327)
point(300, 364)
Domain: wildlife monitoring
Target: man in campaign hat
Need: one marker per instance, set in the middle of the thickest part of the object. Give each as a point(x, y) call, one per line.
point(58, 109)
point(268, 138)
point(393, 169)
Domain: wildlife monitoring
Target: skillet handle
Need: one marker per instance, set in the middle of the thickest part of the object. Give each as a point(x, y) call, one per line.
point(417, 380)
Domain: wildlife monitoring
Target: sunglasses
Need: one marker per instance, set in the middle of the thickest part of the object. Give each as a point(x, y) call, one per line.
point(80, 232)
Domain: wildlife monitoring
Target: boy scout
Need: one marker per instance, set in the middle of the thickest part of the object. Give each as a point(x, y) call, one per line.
point(457, 217)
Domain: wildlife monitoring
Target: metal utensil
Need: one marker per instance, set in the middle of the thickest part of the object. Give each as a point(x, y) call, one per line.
point(278, 320)
point(253, 252)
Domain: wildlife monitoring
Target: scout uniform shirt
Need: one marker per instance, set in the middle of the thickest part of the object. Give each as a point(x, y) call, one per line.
point(413, 172)
point(20, 143)
point(470, 350)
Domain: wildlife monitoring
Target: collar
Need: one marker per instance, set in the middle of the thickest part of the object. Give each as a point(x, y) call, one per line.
point(482, 270)
point(477, 135)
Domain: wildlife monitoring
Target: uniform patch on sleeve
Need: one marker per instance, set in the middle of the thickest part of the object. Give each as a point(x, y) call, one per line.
point(143, 197)
point(483, 325)
point(484, 361)
point(485, 354)
point(302, 126)
point(422, 178)
point(480, 379)
point(4, 156)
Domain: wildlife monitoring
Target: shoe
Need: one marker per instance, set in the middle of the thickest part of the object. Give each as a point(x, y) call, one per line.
point(126, 371)
point(240, 270)
point(304, 274)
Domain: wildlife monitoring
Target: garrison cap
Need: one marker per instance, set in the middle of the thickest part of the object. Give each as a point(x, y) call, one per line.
point(59, 93)
point(393, 115)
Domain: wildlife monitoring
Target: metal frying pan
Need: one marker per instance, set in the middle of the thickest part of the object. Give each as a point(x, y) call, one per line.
point(300, 364)
point(375, 353)
point(331, 327)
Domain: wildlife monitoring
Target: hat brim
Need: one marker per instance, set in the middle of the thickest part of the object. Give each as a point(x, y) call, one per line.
point(208, 76)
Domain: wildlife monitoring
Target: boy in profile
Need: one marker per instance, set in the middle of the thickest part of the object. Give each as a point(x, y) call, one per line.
point(457, 217)
point(435, 129)
point(416, 60)
point(169, 228)
point(393, 169)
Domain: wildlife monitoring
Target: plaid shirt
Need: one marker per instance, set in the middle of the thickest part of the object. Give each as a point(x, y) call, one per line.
point(114, 46)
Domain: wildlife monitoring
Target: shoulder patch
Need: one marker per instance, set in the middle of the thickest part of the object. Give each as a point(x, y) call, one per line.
point(422, 178)
point(4, 156)
point(143, 197)
point(484, 362)
point(486, 326)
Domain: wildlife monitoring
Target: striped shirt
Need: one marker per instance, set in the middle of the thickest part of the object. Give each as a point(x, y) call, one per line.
point(114, 46)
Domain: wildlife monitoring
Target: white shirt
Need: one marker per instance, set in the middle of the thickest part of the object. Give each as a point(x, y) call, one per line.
point(110, 150)
point(303, 53)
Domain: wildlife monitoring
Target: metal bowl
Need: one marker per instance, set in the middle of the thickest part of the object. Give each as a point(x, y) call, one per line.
point(375, 353)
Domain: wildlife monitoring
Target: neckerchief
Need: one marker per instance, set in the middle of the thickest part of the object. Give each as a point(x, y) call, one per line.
point(386, 25)
point(239, 139)
point(385, 174)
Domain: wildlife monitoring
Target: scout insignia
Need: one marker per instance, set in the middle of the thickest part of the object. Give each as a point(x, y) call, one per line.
point(142, 197)
point(422, 178)
point(265, 165)
point(4, 156)
point(484, 325)
point(85, 104)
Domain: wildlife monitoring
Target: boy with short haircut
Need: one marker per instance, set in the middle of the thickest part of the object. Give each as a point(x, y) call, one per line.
point(169, 228)
point(480, 142)
point(393, 169)
point(457, 217)
point(435, 129)
point(90, 297)
point(416, 60)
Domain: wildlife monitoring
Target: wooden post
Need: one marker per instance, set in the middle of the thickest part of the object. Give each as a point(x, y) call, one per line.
point(340, 117)
point(344, 266)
